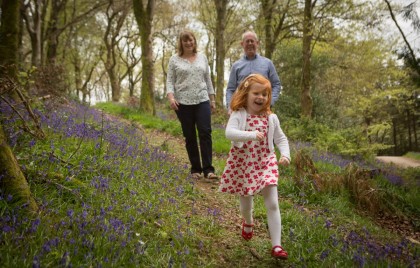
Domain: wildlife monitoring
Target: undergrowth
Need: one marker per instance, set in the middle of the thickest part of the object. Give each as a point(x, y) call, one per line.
point(109, 199)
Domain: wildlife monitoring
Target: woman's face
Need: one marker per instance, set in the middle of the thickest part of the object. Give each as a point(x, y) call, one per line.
point(188, 44)
point(257, 98)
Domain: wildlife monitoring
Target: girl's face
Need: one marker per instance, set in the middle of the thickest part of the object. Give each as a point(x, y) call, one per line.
point(257, 98)
point(188, 45)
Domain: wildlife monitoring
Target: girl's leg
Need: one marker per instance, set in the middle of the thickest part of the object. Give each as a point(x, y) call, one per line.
point(273, 213)
point(246, 203)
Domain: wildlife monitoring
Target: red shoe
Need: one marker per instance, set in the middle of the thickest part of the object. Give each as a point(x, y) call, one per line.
point(282, 254)
point(245, 235)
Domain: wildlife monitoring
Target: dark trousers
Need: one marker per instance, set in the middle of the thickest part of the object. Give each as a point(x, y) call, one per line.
point(197, 118)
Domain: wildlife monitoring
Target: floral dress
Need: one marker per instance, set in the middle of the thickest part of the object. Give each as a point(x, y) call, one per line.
point(251, 168)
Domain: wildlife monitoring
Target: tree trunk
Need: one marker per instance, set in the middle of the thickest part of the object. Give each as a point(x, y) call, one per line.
point(410, 144)
point(394, 135)
point(267, 7)
point(221, 6)
point(271, 14)
point(115, 85)
point(12, 181)
point(9, 38)
point(416, 142)
point(144, 18)
point(306, 99)
point(33, 23)
point(53, 31)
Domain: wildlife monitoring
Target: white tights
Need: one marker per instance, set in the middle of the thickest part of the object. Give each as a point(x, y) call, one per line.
point(273, 212)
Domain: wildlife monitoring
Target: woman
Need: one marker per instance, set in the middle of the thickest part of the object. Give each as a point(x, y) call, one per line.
point(191, 96)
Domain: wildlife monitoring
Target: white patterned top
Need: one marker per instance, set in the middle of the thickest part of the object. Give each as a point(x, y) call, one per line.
point(189, 81)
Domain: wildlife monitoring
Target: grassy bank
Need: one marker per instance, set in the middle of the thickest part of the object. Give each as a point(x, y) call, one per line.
point(110, 199)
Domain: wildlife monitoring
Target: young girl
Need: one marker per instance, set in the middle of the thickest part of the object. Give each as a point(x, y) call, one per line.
point(252, 164)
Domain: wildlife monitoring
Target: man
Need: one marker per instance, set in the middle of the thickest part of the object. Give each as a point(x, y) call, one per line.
point(250, 63)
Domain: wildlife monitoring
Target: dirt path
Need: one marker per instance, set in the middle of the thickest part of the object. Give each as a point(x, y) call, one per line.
point(399, 161)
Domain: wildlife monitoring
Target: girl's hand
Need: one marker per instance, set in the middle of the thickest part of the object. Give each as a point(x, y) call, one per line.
point(284, 161)
point(260, 135)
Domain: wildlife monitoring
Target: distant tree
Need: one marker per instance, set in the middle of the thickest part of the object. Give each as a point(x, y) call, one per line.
point(224, 21)
point(318, 21)
point(33, 13)
point(221, 13)
point(144, 17)
point(129, 55)
point(306, 98)
point(409, 13)
point(277, 22)
point(116, 13)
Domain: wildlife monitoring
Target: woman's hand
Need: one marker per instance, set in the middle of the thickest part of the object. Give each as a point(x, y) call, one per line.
point(213, 106)
point(173, 104)
point(284, 161)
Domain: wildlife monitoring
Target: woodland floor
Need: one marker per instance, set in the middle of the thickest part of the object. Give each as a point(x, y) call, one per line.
point(228, 205)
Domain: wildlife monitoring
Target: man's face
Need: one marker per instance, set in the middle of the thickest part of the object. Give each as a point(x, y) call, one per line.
point(250, 45)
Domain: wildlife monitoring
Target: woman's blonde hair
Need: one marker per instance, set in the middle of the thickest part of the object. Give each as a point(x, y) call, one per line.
point(184, 36)
point(240, 97)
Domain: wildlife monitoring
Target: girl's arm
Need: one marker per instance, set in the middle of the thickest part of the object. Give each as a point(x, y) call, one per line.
point(280, 140)
point(234, 133)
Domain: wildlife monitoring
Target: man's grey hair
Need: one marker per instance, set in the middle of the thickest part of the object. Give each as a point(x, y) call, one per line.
point(249, 32)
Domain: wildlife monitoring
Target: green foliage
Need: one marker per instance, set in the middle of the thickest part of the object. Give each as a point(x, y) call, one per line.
point(146, 120)
point(110, 200)
point(413, 155)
